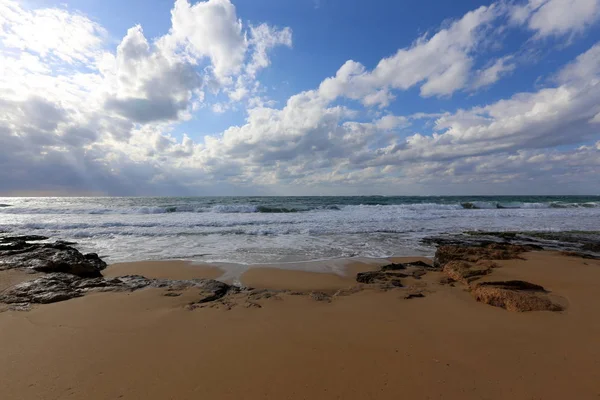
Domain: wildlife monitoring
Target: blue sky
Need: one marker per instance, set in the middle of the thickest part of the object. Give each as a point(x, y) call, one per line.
point(300, 97)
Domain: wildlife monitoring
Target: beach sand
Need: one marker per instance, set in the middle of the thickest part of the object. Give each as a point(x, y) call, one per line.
point(369, 345)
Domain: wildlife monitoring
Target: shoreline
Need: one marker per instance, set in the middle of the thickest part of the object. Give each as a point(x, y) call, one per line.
point(406, 327)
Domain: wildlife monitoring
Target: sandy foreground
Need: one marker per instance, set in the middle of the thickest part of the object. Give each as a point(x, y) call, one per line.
point(369, 345)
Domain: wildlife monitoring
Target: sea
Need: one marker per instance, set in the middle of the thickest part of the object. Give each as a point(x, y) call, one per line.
point(275, 230)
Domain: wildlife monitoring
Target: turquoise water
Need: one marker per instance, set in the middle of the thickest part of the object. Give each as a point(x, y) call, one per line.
point(254, 230)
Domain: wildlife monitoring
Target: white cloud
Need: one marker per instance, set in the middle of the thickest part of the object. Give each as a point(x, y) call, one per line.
point(209, 29)
point(109, 128)
point(264, 37)
point(145, 85)
point(50, 33)
point(557, 17)
point(490, 75)
point(441, 64)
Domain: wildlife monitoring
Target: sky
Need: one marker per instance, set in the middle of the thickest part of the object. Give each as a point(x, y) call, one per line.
point(299, 97)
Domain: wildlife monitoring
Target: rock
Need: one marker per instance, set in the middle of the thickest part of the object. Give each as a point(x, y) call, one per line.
point(380, 277)
point(320, 296)
point(413, 296)
point(54, 287)
point(48, 257)
point(22, 238)
point(65, 242)
point(514, 285)
point(393, 267)
point(576, 241)
point(462, 271)
point(517, 296)
point(420, 264)
point(490, 251)
point(403, 266)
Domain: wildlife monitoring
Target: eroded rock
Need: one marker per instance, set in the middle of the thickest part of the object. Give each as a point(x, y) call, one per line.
point(517, 296)
point(464, 272)
point(55, 287)
point(381, 277)
point(491, 251)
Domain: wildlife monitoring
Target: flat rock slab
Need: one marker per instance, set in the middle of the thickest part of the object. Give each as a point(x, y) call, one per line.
point(517, 296)
point(55, 287)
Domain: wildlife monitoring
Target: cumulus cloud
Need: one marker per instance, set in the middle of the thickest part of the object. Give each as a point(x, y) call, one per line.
point(77, 117)
point(556, 17)
point(50, 33)
point(440, 64)
point(490, 75)
point(145, 85)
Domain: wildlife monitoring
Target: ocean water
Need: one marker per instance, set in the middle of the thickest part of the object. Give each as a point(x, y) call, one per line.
point(259, 230)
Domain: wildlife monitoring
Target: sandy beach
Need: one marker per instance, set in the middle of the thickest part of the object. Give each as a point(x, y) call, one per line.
point(373, 344)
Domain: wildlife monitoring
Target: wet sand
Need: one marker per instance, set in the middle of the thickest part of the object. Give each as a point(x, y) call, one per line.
point(369, 345)
point(164, 269)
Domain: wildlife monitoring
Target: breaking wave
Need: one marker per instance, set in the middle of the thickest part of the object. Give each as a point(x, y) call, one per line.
point(268, 209)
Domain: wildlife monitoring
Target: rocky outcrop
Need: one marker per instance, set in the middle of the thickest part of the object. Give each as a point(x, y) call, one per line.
point(469, 261)
point(55, 287)
point(514, 296)
point(389, 277)
point(464, 272)
point(404, 266)
point(18, 252)
point(488, 251)
point(381, 277)
point(582, 244)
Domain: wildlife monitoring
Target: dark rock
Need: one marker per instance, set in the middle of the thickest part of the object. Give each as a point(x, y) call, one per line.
point(54, 287)
point(419, 264)
point(570, 241)
point(515, 285)
point(393, 267)
point(65, 242)
point(16, 245)
point(378, 276)
point(23, 238)
point(172, 294)
point(50, 257)
point(403, 266)
point(413, 296)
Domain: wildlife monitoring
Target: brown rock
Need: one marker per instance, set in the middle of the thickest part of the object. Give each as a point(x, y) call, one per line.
point(517, 296)
point(464, 272)
point(490, 251)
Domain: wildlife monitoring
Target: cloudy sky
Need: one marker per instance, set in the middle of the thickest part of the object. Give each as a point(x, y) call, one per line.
point(271, 97)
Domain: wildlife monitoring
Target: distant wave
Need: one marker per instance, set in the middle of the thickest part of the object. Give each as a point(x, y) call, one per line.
point(250, 208)
point(219, 208)
point(482, 205)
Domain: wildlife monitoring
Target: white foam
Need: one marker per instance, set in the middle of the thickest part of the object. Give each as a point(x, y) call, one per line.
point(238, 233)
